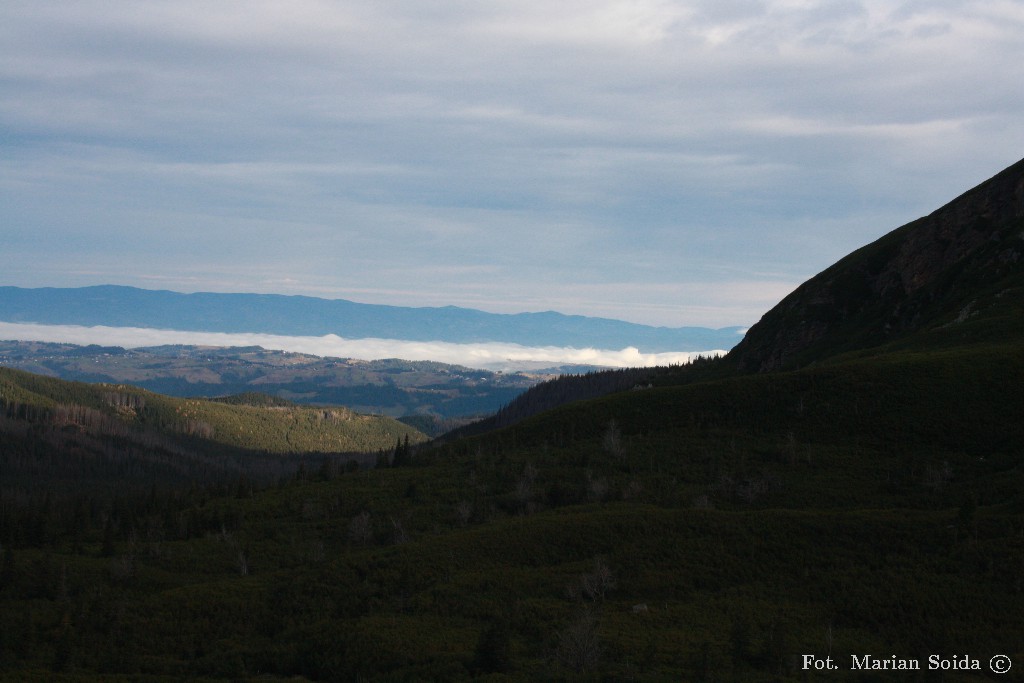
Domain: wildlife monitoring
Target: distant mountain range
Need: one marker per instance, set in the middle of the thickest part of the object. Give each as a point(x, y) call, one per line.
point(117, 306)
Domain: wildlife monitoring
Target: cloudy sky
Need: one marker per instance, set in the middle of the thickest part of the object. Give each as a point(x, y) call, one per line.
point(670, 163)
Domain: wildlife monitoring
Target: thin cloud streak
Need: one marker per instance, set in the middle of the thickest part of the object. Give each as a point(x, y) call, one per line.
point(488, 356)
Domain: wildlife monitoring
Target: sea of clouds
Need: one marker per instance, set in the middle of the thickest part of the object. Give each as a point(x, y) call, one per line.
point(488, 355)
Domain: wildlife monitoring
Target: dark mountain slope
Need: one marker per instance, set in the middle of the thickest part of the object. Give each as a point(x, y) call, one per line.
point(961, 264)
point(557, 392)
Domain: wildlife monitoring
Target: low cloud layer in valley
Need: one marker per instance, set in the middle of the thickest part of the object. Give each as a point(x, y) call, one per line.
point(489, 356)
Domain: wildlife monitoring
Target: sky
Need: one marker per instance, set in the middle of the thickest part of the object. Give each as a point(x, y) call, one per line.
point(667, 163)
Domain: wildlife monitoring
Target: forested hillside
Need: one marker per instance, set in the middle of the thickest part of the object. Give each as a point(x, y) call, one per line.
point(64, 440)
point(273, 428)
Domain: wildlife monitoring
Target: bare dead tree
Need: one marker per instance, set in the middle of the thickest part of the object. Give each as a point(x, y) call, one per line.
point(578, 644)
point(360, 529)
point(612, 440)
point(599, 581)
point(463, 512)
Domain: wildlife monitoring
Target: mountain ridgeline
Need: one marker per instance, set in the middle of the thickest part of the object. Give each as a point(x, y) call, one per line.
point(954, 276)
point(845, 484)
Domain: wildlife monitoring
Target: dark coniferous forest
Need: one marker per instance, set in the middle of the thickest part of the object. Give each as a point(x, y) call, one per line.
point(846, 485)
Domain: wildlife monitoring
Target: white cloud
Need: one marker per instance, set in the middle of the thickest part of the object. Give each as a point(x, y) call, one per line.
point(491, 355)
